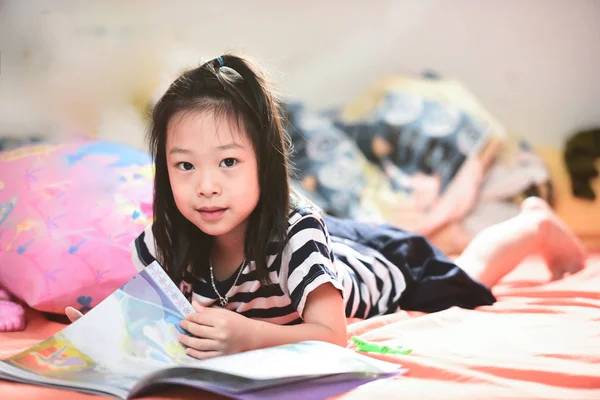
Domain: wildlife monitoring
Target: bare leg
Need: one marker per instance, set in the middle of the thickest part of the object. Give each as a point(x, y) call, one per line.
point(497, 250)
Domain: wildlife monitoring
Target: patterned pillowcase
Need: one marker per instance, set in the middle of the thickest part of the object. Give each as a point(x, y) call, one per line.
point(68, 213)
point(433, 140)
point(415, 135)
point(331, 170)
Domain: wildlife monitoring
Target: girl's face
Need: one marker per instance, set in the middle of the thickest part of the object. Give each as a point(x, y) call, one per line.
point(213, 173)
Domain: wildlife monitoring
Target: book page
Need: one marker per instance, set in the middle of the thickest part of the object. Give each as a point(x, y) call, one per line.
point(299, 359)
point(131, 333)
point(134, 333)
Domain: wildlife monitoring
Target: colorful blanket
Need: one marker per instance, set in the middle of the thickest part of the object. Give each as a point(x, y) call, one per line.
point(419, 153)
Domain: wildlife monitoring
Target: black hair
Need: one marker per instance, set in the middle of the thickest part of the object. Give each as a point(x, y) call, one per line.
point(229, 86)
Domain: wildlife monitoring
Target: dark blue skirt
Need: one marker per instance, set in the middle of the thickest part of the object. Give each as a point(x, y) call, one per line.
point(433, 281)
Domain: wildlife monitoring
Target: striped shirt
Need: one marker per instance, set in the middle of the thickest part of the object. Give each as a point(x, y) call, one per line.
point(370, 284)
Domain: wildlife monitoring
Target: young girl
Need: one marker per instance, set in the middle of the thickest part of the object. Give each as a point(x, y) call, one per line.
point(260, 264)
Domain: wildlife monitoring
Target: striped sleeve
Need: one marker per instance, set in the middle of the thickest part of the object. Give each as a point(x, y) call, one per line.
point(143, 251)
point(307, 261)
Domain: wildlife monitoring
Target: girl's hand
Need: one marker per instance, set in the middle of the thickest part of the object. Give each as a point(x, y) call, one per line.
point(216, 332)
point(73, 314)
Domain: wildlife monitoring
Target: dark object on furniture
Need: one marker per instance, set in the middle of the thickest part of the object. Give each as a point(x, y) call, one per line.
point(581, 151)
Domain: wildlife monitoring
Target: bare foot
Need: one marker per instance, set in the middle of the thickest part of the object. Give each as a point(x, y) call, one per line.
point(561, 249)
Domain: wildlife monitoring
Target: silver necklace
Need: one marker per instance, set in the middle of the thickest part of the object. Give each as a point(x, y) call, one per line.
point(224, 300)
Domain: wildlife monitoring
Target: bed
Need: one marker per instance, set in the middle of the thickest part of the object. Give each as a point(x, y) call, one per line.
point(541, 340)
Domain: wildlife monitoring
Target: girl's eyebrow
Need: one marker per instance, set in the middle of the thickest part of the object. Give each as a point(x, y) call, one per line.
point(179, 150)
point(229, 146)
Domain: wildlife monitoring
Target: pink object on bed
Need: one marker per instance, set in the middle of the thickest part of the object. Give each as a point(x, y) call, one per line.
point(540, 341)
point(12, 316)
point(68, 213)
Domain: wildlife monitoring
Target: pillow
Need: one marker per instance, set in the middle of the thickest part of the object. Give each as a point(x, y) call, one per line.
point(331, 170)
point(432, 139)
point(68, 213)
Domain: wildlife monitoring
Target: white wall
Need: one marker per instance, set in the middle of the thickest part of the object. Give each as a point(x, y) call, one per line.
point(535, 64)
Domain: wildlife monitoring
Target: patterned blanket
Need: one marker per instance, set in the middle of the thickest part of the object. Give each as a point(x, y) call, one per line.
point(419, 153)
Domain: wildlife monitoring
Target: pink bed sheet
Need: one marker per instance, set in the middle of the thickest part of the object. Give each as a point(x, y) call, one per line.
point(541, 340)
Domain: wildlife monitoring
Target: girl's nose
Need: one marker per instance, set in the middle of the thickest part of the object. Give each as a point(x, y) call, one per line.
point(208, 186)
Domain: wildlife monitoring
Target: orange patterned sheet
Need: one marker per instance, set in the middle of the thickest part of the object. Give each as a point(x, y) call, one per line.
point(540, 341)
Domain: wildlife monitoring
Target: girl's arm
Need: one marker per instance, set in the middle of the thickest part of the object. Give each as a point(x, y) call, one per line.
point(311, 281)
point(215, 332)
point(324, 320)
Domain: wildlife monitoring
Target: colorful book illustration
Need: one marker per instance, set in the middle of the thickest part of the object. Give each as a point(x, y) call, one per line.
point(127, 347)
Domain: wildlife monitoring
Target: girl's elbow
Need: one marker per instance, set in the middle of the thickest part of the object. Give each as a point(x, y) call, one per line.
point(332, 335)
point(339, 338)
point(342, 341)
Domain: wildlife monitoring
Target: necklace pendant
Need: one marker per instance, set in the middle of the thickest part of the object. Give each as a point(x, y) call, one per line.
point(224, 302)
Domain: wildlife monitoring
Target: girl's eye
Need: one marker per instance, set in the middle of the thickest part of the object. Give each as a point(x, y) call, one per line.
point(185, 166)
point(228, 162)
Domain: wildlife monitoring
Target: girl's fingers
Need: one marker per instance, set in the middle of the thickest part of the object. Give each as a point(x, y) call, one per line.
point(201, 355)
point(198, 330)
point(205, 316)
point(73, 314)
point(199, 344)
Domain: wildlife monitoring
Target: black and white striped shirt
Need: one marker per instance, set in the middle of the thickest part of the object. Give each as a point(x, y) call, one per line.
point(370, 284)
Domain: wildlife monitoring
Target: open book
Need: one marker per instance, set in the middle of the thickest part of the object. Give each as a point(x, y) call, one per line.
point(127, 347)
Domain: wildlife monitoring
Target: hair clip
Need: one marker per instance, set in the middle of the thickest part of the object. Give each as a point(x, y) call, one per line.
point(220, 60)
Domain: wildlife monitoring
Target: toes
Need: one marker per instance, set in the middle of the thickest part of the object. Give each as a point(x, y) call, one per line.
point(560, 269)
point(12, 324)
point(534, 203)
point(557, 273)
point(12, 317)
point(574, 267)
point(4, 295)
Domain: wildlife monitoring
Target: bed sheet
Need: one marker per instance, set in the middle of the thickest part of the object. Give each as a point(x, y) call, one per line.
point(541, 340)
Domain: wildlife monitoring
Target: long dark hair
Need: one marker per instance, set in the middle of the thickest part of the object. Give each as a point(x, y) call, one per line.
point(231, 87)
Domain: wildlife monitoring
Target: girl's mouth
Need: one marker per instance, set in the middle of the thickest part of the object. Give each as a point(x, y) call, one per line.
point(211, 214)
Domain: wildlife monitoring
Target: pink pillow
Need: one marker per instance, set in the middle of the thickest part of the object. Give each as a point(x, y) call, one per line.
point(68, 214)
